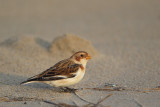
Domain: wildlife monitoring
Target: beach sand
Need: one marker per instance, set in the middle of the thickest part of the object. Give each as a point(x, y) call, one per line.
point(123, 38)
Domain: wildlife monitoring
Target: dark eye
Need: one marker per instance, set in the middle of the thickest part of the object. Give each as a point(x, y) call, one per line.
point(82, 55)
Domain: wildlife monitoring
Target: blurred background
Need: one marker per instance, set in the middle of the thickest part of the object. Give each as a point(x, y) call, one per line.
point(87, 18)
point(106, 23)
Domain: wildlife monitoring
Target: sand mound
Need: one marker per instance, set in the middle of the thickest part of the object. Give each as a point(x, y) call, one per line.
point(26, 44)
point(61, 47)
point(70, 44)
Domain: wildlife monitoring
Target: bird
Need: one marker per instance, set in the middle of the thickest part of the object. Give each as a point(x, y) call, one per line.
point(65, 73)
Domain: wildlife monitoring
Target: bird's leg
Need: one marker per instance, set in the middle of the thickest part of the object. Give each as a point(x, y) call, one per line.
point(70, 89)
point(67, 89)
point(62, 89)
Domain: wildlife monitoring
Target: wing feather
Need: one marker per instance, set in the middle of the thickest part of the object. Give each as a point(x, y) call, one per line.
point(61, 70)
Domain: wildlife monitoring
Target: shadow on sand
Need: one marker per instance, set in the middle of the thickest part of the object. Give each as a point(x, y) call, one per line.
point(9, 79)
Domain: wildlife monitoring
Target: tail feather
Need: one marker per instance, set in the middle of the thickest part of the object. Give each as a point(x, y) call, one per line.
point(24, 82)
point(40, 79)
point(28, 81)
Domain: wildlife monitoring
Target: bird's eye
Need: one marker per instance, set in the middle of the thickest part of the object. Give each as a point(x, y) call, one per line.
point(82, 55)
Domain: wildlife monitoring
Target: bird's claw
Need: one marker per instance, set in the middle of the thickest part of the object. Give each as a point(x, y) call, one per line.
point(69, 90)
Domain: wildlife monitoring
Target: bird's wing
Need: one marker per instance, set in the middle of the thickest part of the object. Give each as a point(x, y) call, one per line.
point(61, 70)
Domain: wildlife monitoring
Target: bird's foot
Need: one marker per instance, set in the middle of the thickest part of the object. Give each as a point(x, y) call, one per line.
point(69, 90)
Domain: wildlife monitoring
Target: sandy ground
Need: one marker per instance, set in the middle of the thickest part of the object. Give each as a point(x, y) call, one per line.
point(123, 35)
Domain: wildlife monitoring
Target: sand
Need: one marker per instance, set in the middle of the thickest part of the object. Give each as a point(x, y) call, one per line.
point(123, 38)
point(69, 44)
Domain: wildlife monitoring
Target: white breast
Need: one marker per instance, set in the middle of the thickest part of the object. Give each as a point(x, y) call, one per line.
point(69, 81)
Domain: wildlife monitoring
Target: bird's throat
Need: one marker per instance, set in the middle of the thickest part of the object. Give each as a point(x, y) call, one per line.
point(82, 68)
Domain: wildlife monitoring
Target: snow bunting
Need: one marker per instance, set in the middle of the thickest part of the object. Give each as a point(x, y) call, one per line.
point(64, 73)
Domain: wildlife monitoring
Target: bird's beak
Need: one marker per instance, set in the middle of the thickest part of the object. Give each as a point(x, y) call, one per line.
point(88, 57)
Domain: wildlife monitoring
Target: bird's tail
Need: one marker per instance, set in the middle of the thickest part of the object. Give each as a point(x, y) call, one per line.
point(24, 82)
point(31, 80)
point(28, 81)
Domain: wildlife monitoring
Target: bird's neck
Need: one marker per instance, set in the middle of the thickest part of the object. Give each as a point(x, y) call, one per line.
point(82, 62)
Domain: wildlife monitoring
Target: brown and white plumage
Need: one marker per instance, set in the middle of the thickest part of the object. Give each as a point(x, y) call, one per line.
point(64, 73)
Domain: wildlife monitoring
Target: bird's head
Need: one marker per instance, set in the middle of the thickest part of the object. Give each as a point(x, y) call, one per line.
point(80, 57)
